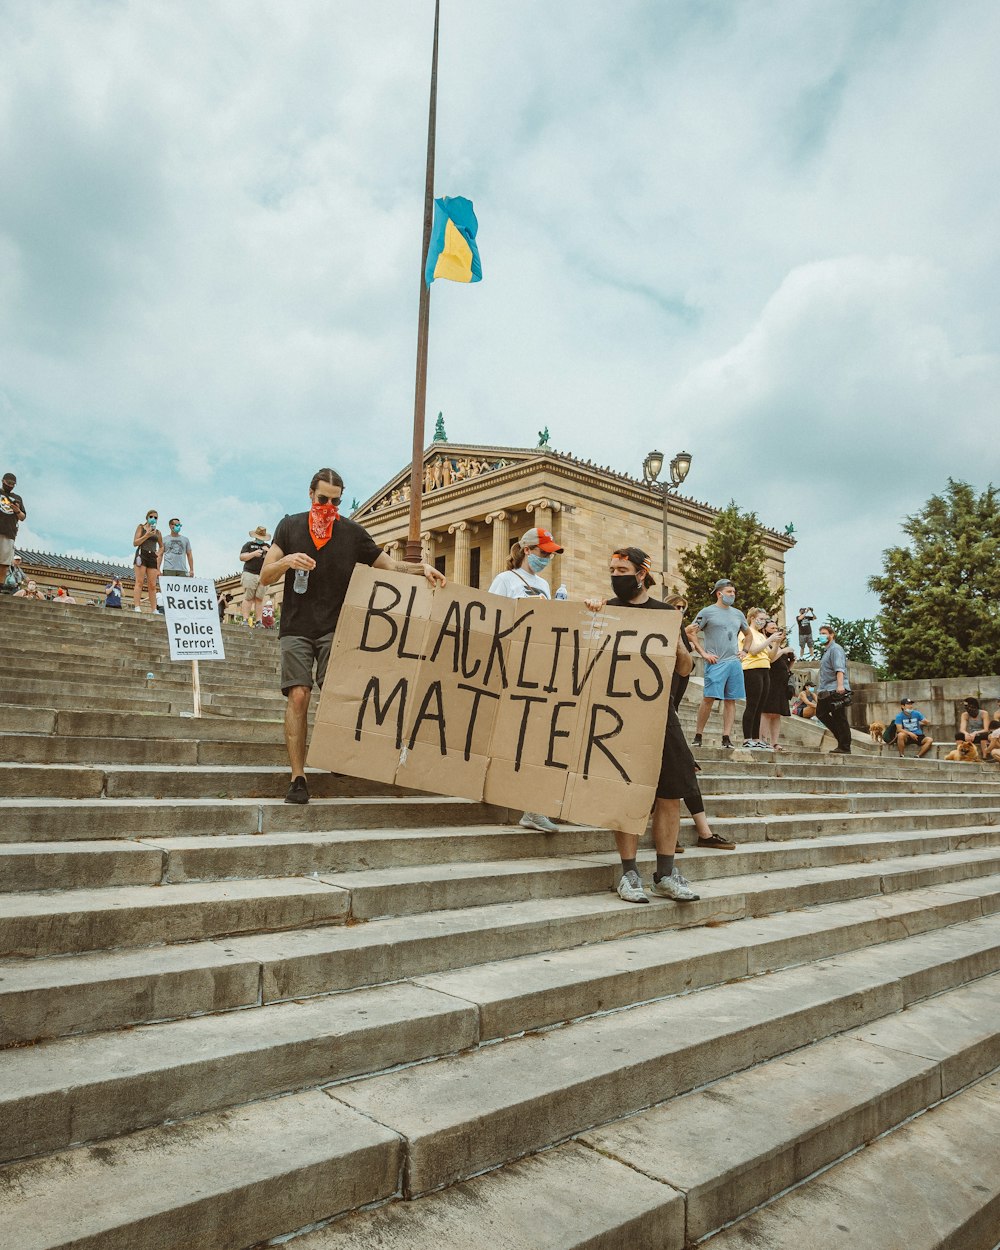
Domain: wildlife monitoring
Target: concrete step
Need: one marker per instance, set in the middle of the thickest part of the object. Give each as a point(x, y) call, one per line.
point(463, 1114)
point(713, 1154)
point(213, 1182)
point(34, 924)
point(27, 748)
point(62, 690)
point(45, 820)
point(753, 797)
point(148, 779)
point(86, 1089)
point(69, 865)
point(112, 989)
point(137, 725)
point(934, 1184)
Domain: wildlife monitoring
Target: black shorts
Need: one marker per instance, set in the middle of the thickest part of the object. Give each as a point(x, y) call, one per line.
point(678, 775)
point(145, 559)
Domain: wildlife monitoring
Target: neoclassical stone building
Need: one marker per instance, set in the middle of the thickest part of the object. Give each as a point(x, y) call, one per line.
point(477, 500)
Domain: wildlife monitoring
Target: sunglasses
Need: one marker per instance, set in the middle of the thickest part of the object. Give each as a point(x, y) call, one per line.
point(325, 499)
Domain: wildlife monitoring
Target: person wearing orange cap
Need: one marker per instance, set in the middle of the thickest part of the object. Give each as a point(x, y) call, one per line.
point(529, 557)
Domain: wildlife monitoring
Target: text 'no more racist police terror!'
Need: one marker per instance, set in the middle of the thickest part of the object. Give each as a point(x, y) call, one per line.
point(465, 693)
point(191, 611)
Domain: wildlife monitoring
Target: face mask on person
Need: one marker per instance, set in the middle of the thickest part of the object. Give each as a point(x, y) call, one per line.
point(151, 520)
point(321, 521)
point(538, 563)
point(729, 600)
point(175, 529)
point(825, 639)
point(625, 586)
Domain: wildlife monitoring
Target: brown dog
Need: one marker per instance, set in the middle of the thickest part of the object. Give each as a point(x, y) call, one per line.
point(964, 753)
point(876, 729)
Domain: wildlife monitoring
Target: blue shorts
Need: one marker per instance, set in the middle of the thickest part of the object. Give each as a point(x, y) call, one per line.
point(724, 680)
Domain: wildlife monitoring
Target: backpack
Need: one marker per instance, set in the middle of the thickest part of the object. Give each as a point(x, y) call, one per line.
point(889, 732)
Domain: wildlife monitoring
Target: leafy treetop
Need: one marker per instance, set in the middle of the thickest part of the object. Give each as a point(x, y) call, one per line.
point(733, 549)
point(940, 607)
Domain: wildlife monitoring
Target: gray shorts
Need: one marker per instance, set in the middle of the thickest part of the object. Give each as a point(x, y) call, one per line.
point(299, 655)
point(6, 550)
point(250, 583)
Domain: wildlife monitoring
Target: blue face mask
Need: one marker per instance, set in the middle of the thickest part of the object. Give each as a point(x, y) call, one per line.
point(537, 563)
point(176, 529)
point(729, 600)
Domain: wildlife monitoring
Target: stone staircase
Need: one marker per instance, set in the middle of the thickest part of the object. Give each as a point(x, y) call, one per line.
point(391, 1019)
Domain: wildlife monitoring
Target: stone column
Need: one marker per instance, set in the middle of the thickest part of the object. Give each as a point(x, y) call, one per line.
point(542, 512)
point(427, 547)
point(463, 538)
point(501, 542)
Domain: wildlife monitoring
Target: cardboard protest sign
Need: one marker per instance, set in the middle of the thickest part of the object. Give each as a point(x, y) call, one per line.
point(537, 705)
point(190, 607)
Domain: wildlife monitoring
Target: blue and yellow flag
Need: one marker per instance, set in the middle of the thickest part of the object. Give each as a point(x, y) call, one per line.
point(453, 253)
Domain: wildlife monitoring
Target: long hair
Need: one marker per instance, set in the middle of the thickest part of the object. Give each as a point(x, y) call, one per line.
point(516, 557)
point(638, 557)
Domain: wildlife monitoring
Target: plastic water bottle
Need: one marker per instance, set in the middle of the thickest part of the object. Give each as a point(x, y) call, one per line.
point(301, 581)
point(562, 592)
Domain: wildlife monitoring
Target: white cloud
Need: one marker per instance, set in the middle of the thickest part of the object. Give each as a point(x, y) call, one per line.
point(767, 232)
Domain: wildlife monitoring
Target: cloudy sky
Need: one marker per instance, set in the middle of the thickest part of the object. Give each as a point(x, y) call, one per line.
point(766, 232)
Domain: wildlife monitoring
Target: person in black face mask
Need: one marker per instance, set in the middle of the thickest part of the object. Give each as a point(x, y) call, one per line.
point(630, 581)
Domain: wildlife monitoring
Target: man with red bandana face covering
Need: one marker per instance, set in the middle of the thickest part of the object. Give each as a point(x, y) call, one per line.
point(315, 552)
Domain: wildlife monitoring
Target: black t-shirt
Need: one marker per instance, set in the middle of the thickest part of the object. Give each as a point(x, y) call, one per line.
point(8, 518)
point(650, 603)
point(257, 563)
point(317, 611)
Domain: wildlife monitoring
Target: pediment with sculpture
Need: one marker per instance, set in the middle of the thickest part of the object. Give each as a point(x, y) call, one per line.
point(441, 469)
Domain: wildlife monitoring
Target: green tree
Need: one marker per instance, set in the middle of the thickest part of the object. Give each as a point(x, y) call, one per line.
point(940, 611)
point(861, 639)
point(733, 549)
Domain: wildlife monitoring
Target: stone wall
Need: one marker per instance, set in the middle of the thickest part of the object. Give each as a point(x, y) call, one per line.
point(939, 698)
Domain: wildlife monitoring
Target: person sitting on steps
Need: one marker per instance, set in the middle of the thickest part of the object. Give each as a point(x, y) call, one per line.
point(910, 728)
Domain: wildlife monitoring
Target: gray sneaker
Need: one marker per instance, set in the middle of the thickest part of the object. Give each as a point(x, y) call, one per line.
point(535, 820)
point(630, 888)
point(676, 887)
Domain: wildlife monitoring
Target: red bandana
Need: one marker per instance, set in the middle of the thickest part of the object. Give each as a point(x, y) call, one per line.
point(321, 519)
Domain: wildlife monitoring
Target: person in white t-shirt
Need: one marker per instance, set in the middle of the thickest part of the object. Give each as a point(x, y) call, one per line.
point(529, 557)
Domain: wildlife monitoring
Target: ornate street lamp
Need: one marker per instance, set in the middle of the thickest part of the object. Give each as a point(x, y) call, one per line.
point(652, 466)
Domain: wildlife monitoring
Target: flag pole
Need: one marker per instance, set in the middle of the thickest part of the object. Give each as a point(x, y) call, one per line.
point(413, 544)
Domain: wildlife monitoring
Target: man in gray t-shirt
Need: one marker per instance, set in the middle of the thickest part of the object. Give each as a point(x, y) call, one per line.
point(721, 624)
point(834, 684)
point(176, 553)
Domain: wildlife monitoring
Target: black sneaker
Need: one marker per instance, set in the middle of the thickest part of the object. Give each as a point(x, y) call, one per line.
point(727, 744)
point(696, 740)
point(298, 791)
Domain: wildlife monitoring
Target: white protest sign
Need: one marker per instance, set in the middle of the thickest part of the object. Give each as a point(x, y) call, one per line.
point(190, 606)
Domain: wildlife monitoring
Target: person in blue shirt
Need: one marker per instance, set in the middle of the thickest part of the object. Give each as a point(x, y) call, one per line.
point(910, 728)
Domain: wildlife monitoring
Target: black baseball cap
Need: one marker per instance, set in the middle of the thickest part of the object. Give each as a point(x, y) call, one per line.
point(904, 702)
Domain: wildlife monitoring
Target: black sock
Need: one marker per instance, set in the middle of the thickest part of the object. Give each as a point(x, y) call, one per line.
point(664, 866)
point(628, 865)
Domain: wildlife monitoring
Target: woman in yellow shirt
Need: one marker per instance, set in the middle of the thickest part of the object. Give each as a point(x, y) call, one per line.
point(756, 653)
